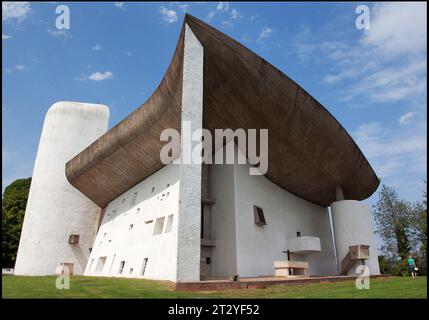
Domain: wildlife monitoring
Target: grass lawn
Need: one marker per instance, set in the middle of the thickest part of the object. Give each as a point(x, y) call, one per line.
point(94, 287)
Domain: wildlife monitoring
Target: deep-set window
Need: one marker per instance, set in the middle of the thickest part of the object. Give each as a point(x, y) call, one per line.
point(159, 225)
point(298, 234)
point(145, 260)
point(169, 224)
point(259, 217)
point(131, 227)
point(121, 267)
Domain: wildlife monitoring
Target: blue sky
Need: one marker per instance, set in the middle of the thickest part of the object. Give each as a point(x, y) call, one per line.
point(373, 81)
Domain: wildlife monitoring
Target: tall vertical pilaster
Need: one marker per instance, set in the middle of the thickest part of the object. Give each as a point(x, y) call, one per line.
point(189, 218)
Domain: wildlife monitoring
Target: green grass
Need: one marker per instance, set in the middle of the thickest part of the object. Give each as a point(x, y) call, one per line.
point(94, 287)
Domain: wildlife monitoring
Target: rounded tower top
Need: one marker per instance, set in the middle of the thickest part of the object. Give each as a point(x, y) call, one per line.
point(64, 106)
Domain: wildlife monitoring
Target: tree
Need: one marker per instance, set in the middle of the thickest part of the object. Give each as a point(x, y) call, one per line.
point(393, 222)
point(420, 233)
point(14, 203)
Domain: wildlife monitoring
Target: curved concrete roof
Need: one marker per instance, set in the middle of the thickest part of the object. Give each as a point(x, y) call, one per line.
point(310, 153)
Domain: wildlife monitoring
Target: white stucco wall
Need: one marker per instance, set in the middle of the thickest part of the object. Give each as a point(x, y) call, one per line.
point(352, 225)
point(249, 249)
point(157, 197)
point(222, 212)
point(259, 246)
point(55, 209)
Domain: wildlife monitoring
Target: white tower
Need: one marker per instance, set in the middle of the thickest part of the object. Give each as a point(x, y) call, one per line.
point(60, 222)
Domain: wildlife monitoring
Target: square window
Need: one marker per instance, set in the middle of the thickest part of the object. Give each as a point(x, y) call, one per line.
point(258, 215)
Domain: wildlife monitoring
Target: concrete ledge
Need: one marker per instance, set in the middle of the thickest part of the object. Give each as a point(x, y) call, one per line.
point(256, 283)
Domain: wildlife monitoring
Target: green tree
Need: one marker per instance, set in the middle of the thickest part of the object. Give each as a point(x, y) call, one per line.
point(14, 202)
point(420, 233)
point(392, 218)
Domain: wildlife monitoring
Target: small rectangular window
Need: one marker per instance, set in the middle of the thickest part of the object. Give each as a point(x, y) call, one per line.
point(121, 267)
point(134, 199)
point(169, 224)
point(298, 234)
point(159, 225)
point(259, 217)
point(148, 221)
point(131, 227)
point(131, 270)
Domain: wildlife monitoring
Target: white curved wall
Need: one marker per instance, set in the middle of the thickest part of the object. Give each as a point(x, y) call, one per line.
point(352, 225)
point(55, 209)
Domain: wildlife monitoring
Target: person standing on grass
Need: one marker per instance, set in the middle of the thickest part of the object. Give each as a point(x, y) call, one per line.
point(412, 266)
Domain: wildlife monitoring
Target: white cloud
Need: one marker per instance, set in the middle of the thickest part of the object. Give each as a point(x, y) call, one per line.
point(15, 10)
point(5, 36)
point(265, 33)
point(233, 15)
point(100, 76)
point(20, 67)
point(222, 6)
point(120, 5)
point(59, 33)
point(406, 118)
point(382, 66)
point(182, 6)
point(168, 15)
point(392, 149)
point(211, 15)
point(97, 47)
point(397, 27)
point(390, 84)
point(96, 76)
